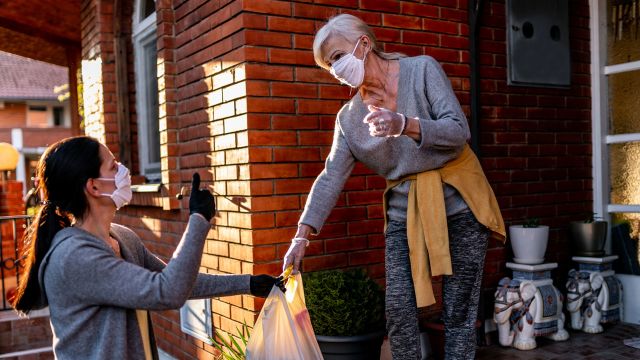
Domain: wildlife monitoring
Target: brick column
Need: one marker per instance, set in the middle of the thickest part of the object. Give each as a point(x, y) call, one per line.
point(11, 204)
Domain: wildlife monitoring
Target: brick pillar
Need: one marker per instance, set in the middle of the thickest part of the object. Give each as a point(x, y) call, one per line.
point(11, 203)
point(98, 72)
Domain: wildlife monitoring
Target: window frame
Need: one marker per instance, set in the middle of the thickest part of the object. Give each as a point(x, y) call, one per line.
point(144, 31)
point(601, 139)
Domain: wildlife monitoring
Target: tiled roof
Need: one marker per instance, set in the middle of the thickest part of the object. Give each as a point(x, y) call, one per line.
point(26, 79)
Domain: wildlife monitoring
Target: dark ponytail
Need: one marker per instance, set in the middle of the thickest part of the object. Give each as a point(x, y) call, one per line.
point(63, 171)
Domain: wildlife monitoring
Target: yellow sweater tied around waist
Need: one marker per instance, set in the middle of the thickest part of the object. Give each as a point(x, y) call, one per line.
point(427, 232)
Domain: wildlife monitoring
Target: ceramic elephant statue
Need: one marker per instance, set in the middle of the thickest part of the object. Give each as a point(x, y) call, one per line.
point(585, 298)
point(578, 287)
point(507, 297)
point(592, 305)
point(521, 313)
point(612, 306)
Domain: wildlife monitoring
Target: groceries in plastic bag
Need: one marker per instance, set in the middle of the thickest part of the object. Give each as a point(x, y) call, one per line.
point(283, 330)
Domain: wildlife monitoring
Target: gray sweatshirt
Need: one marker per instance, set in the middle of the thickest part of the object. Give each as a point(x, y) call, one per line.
point(424, 91)
point(93, 294)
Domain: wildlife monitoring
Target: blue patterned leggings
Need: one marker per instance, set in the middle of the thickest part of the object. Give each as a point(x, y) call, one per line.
point(461, 293)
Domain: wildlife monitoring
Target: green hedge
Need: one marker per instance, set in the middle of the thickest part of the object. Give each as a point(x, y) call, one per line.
point(343, 303)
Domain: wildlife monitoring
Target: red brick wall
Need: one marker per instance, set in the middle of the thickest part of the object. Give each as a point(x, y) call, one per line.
point(92, 71)
point(11, 202)
point(13, 115)
point(536, 142)
point(44, 137)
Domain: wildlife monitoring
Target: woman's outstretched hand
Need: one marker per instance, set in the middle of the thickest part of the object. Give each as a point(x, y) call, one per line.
point(295, 254)
point(260, 285)
point(383, 122)
point(201, 200)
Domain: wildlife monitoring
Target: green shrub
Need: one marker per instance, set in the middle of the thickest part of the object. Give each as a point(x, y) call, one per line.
point(343, 303)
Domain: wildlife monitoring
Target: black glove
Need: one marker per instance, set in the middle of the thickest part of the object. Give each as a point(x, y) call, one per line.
point(261, 285)
point(201, 201)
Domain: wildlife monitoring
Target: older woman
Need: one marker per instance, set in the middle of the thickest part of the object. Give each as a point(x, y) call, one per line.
point(406, 124)
point(97, 277)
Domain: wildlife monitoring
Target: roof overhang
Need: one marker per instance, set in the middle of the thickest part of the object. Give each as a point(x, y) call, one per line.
point(45, 30)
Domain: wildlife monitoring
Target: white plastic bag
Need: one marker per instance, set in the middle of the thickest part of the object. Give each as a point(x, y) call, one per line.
point(283, 330)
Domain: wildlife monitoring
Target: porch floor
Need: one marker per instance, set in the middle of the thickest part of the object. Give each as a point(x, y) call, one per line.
point(607, 345)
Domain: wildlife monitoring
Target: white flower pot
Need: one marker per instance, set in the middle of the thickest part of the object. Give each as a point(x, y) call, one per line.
point(529, 244)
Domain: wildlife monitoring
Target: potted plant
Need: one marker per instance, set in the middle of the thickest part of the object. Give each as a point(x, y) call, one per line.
point(347, 313)
point(588, 236)
point(529, 242)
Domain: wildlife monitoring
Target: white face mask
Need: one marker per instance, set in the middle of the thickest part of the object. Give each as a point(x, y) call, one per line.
point(349, 69)
point(121, 196)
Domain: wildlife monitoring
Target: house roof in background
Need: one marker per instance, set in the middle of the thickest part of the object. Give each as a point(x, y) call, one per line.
point(27, 79)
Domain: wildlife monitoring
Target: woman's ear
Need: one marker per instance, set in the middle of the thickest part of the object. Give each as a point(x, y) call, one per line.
point(91, 188)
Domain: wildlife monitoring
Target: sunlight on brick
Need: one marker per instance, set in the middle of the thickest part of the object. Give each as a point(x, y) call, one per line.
point(93, 99)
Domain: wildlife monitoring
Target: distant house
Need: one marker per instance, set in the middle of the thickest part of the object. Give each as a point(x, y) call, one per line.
point(34, 108)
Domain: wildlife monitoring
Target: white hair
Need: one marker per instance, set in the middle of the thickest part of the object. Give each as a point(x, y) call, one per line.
point(351, 29)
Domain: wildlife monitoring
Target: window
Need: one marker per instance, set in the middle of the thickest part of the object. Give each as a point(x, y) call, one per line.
point(145, 56)
point(616, 110)
point(44, 115)
point(195, 319)
point(37, 116)
point(148, 8)
point(58, 116)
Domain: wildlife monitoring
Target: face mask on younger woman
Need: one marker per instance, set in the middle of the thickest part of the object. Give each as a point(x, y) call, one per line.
point(121, 196)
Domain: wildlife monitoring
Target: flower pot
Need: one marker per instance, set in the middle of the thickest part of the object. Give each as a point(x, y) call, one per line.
point(529, 243)
point(588, 239)
point(360, 347)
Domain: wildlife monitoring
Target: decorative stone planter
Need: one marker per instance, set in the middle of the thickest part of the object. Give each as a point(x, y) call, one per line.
point(361, 347)
point(529, 244)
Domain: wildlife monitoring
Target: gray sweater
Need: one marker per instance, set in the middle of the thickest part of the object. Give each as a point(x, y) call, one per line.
point(93, 294)
point(424, 91)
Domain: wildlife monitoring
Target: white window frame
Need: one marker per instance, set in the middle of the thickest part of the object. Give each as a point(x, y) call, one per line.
point(144, 32)
point(599, 115)
point(195, 319)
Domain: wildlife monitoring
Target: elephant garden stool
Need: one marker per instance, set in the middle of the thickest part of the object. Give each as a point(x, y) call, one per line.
point(529, 306)
point(594, 295)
